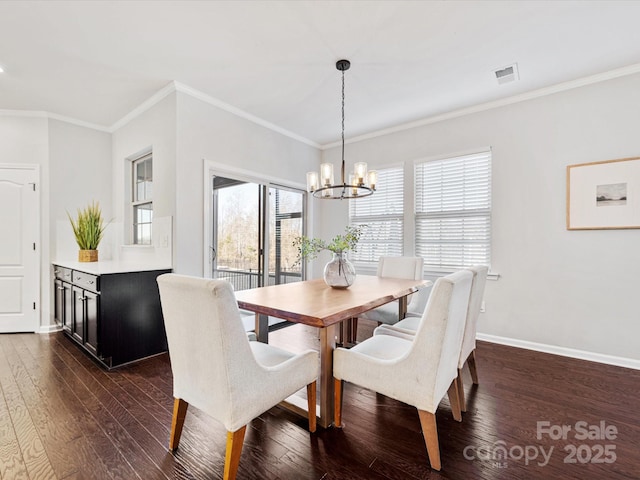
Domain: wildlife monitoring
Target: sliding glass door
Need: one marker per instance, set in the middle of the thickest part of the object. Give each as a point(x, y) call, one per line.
point(286, 223)
point(235, 250)
point(253, 227)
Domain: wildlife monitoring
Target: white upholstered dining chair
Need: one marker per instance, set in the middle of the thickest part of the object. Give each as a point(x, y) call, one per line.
point(407, 328)
point(396, 267)
point(217, 370)
point(417, 371)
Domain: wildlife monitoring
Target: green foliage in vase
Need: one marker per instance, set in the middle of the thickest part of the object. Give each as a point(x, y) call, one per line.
point(309, 248)
point(88, 227)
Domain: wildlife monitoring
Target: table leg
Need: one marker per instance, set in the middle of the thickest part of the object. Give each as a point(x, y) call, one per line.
point(262, 328)
point(327, 346)
point(402, 307)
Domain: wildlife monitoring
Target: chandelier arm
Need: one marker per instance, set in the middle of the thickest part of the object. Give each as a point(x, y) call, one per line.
point(345, 191)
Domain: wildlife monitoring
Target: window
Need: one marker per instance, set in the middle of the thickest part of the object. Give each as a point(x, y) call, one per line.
point(453, 211)
point(142, 194)
point(382, 212)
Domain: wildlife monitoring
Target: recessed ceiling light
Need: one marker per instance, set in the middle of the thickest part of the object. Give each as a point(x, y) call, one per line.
point(1, 69)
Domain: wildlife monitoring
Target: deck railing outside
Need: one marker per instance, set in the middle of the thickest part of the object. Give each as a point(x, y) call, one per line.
point(245, 279)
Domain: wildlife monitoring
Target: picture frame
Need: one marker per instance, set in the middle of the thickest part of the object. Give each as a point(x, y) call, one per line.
point(604, 195)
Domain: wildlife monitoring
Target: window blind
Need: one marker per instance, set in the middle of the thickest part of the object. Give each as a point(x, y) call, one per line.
point(453, 211)
point(382, 212)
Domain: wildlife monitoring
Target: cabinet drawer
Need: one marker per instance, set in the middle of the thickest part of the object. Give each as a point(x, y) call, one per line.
point(62, 273)
point(86, 281)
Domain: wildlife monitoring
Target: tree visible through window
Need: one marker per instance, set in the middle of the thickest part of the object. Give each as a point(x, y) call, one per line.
point(240, 242)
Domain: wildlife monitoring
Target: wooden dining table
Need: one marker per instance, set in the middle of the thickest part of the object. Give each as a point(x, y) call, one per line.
point(314, 303)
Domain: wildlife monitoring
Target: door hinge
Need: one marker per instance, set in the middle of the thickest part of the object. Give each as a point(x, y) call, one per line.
point(33, 186)
point(34, 245)
point(34, 305)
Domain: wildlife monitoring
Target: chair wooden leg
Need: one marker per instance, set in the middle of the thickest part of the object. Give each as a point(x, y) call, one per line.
point(471, 361)
point(311, 406)
point(232, 455)
point(454, 400)
point(430, 432)
point(463, 405)
point(179, 413)
point(337, 402)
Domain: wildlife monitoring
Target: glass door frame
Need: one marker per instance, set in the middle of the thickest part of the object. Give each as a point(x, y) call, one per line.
point(278, 219)
point(245, 276)
point(212, 170)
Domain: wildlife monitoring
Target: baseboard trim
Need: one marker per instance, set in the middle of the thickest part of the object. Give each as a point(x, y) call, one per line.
point(50, 328)
point(511, 342)
point(563, 351)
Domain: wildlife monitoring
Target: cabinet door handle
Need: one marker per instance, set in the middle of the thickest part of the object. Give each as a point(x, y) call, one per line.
point(60, 288)
point(82, 299)
point(78, 278)
point(90, 282)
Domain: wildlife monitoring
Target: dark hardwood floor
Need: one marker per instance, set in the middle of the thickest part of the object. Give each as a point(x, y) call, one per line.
point(63, 417)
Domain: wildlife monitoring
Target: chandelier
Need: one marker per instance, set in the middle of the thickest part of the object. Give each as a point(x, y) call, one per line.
point(361, 183)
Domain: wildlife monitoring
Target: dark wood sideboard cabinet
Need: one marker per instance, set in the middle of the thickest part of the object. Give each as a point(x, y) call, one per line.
point(115, 317)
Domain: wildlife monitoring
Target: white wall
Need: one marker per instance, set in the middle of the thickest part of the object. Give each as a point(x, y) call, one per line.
point(572, 289)
point(154, 129)
point(80, 173)
point(183, 132)
point(207, 133)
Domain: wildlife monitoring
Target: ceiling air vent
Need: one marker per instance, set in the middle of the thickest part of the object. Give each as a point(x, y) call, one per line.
point(507, 74)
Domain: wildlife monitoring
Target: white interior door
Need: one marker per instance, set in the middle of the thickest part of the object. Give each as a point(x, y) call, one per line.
point(19, 249)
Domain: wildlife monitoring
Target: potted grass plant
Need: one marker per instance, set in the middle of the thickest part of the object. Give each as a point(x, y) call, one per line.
point(88, 229)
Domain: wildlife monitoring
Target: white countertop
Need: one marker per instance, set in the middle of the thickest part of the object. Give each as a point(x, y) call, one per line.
point(104, 267)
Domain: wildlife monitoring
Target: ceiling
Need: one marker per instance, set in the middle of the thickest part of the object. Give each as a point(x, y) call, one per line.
point(96, 61)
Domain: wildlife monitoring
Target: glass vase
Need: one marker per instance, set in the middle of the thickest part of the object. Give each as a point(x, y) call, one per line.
point(339, 272)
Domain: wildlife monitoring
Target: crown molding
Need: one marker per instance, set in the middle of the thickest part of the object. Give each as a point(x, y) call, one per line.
point(53, 116)
point(23, 113)
point(203, 97)
point(79, 123)
point(541, 92)
point(165, 91)
point(175, 86)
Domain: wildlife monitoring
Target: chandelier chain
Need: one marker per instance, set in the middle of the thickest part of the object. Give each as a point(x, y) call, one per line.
point(342, 173)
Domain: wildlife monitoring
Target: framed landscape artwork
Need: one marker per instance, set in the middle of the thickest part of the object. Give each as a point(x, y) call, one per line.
point(604, 195)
